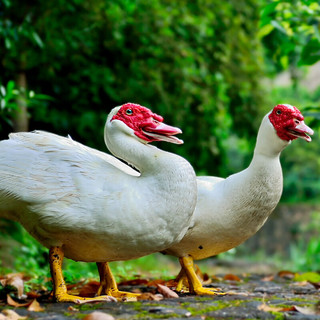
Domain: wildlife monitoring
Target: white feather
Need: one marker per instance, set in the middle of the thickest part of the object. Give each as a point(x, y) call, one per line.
point(231, 210)
point(91, 204)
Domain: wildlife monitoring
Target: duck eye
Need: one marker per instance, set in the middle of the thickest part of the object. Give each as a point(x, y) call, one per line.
point(278, 112)
point(129, 112)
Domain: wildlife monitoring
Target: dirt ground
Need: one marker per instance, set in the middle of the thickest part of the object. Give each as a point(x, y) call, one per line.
point(253, 296)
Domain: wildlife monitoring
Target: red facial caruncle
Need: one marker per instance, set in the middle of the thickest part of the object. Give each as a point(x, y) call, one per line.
point(288, 123)
point(146, 125)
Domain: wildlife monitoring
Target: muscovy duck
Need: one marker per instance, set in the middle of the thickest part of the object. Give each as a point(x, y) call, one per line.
point(231, 210)
point(89, 206)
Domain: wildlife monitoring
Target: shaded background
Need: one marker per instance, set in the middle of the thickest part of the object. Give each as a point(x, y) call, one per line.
point(212, 68)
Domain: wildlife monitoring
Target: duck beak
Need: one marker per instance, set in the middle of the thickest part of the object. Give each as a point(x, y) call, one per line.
point(302, 131)
point(160, 131)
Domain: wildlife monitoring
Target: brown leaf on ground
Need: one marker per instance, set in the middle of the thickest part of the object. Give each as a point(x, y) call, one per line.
point(304, 283)
point(166, 292)
point(79, 284)
point(35, 306)
point(231, 277)
point(154, 283)
point(150, 296)
point(13, 303)
point(33, 295)
point(315, 284)
point(97, 315)
point(11, 315)
point(302, 310)
point(286, 274)
point(170, 283)
point(73, 309)
point(205, 277)
point(15, 280)
point(133, 282)
point(89, 289)
point(306, 311)
point(266, 308)
point(268, 278)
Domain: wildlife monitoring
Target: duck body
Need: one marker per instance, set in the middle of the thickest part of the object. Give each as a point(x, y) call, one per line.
point(231, 210)
point(65, 198)
point(230, 223)
point(88, 205)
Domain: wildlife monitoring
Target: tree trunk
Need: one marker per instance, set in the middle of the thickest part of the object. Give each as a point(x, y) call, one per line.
point(20, 115)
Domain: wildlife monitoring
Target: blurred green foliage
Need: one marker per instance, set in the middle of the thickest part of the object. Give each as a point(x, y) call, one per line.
point(290, 32)
point(196, 63)
point(305, 252)
point(201, 64)
point(8, 94)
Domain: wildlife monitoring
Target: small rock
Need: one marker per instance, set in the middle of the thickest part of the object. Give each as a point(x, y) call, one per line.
point(97, 315)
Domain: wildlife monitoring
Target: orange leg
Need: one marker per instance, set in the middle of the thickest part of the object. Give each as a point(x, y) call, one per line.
point(59, 286)
point(183, 284)
point(195, 285)
point(109, 286)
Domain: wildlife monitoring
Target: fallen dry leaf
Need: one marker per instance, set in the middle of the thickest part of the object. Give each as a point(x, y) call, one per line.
point(316, 284)
point(265, 307)
point(13, 303)
point(75, 288)
point(89, 289)
point(286, 274)
point(231, 277)
point(134, 282)
point(15, 280)
point(303, 310)
point(71, 286)
point(302, 284)
point(11, 315)
point(170, 283)
point(73, 309)
point(153, 283)
point(97, 315)
point(166, 292)
point(35, 306)
point(150, 296)
point(33, 295)
point(268, 278)
point(306, 311)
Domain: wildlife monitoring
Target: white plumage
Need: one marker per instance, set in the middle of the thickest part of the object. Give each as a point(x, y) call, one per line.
point(231, 210)
point(91, 205)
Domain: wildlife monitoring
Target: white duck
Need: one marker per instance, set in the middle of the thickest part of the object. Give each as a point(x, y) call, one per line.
point(231, 210)
point(89, 206)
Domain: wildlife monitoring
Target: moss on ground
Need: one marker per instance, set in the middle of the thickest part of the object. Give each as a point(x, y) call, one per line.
point(218, 306)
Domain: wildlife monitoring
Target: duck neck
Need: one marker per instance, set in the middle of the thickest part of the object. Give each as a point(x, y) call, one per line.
point(147, 159)
point(268, 143)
